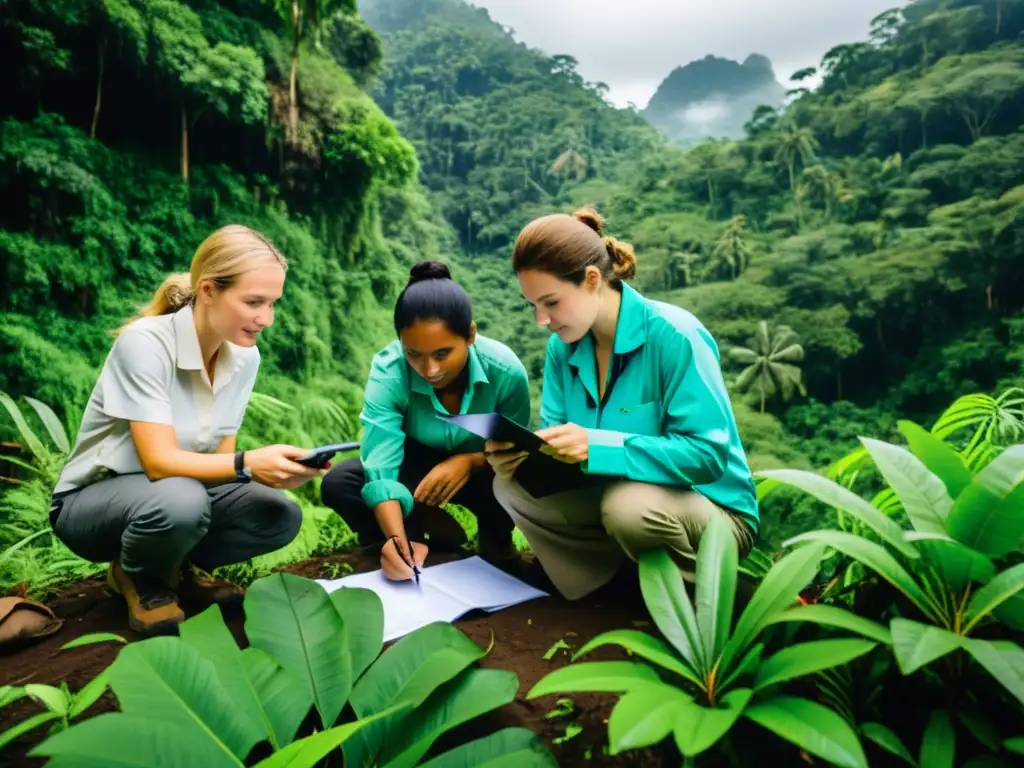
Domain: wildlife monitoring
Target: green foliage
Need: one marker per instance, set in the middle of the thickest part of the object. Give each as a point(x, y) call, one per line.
point(718, 672)
point(199, 699)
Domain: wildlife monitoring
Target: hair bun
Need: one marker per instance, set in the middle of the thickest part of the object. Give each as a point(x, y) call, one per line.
point(590, 217)
point(622, 256)
point(429, 270)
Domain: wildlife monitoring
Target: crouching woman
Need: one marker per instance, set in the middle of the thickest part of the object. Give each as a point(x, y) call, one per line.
point(154, 484)
point(633, 391)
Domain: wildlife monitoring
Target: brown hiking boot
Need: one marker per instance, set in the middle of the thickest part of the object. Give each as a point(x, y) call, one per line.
point(152, 607)
point(197, 587)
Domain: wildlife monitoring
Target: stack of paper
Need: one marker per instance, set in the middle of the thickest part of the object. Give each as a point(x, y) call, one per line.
point(446, 592)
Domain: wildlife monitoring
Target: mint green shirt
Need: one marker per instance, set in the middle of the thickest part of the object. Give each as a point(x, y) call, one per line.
point(666, 417)
point(399, 403)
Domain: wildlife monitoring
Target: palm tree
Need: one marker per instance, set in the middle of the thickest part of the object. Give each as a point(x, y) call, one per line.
point(732, 249)
point(827, 185)
point(770, 363)
point(795, 144)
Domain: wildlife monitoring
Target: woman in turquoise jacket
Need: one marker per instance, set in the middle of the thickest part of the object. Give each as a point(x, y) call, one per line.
point(633, 391)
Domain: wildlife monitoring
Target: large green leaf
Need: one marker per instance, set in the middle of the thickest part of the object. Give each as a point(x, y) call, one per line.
point(285, 701)
point(165, 680)
point(410, 671)
point(698, 728)
point(209, 636)
point(717, 562)
point(939, 456)
point(987, 515)
point(938, 747)
point(959, 564)
point(1015, 745)
point(1004, 660)
point(644, 716)
point(28, 436)
point(923, 495)
point(916, 645)
point(294, 621)
point(874, 557)
point(838, 618)
point(670, 607)
point(471, 694)
point(508, 748)
point(362, 613)
point(1000, 589)
point(778, 591)
point(643, 645)
point(887, 740)
point(122, 741)
point(805, 658)
point(834, 495)
point(812, 727)
point(594, 676)
point(52, 424)
point(311, 750)
point(1011, 613)
point(414, 667)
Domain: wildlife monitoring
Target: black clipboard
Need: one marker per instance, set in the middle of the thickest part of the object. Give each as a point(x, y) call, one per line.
point(540, 474)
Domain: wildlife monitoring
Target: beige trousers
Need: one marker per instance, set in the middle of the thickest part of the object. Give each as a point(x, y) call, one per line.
point(582, 537)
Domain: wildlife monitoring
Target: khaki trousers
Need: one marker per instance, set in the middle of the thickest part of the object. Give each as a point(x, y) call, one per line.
point(582, 537)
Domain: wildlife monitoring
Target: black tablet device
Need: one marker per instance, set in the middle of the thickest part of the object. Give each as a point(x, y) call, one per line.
point(318, 458)
point(540, 474)
point(501, 429)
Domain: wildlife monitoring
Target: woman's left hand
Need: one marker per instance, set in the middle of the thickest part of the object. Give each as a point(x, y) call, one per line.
point(444, 481)
point(568, 442)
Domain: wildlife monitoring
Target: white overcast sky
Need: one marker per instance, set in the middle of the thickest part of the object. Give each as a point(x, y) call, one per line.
point(633, 44)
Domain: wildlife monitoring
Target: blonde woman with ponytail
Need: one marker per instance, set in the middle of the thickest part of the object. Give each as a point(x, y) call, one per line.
point(154, 484)
point(633, 392)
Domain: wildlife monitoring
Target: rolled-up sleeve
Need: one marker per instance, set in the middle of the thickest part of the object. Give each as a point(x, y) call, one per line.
point(383, 447)
point(136, 379)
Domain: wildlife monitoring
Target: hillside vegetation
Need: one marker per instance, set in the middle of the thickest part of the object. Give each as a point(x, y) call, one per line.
point(875, 223)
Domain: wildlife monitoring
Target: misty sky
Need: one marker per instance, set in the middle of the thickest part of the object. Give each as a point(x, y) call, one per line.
point(633, 44)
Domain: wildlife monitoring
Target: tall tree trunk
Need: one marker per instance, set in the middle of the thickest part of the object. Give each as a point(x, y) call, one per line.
point(184, 143)
point(839, 384)
point(293, 99)
point(99, 89)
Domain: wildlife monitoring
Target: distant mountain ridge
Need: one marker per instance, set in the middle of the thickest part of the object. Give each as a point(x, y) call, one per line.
point(713, 97)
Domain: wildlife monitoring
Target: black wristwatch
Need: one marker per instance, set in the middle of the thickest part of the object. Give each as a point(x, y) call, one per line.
point(242, 473)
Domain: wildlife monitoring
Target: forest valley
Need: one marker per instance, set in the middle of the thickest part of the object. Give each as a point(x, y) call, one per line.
point(857, 256)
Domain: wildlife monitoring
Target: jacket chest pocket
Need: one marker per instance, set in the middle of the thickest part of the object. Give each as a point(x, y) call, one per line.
point(639, 419)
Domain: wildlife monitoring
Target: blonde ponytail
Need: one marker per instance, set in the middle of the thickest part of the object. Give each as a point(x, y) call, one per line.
point(221, 258)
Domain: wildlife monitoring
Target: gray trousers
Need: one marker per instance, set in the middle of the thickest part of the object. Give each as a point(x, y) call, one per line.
point(151, 526)
point(581, 538)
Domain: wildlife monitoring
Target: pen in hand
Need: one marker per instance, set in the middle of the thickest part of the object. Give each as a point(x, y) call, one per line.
point(411, 562)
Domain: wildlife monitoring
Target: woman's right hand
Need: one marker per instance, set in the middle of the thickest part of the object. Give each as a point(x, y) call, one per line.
point(274, 466)
point(503, 460)
point(395, 564)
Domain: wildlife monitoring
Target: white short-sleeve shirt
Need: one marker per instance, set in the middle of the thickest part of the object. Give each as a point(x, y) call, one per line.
point(155, 373)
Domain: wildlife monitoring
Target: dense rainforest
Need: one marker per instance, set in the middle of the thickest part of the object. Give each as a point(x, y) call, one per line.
point(856, 253)
point(874, 222)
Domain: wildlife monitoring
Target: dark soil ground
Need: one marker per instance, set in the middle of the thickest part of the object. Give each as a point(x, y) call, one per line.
point(522, 635)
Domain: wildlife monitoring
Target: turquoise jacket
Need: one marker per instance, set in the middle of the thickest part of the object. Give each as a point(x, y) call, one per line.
point(399, 403)
point(666, 418)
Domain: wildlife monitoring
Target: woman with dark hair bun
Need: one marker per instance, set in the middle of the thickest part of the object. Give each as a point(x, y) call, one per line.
point(412, 463)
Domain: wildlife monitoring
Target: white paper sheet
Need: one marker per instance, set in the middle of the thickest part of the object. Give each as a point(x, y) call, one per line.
point(446, 592)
